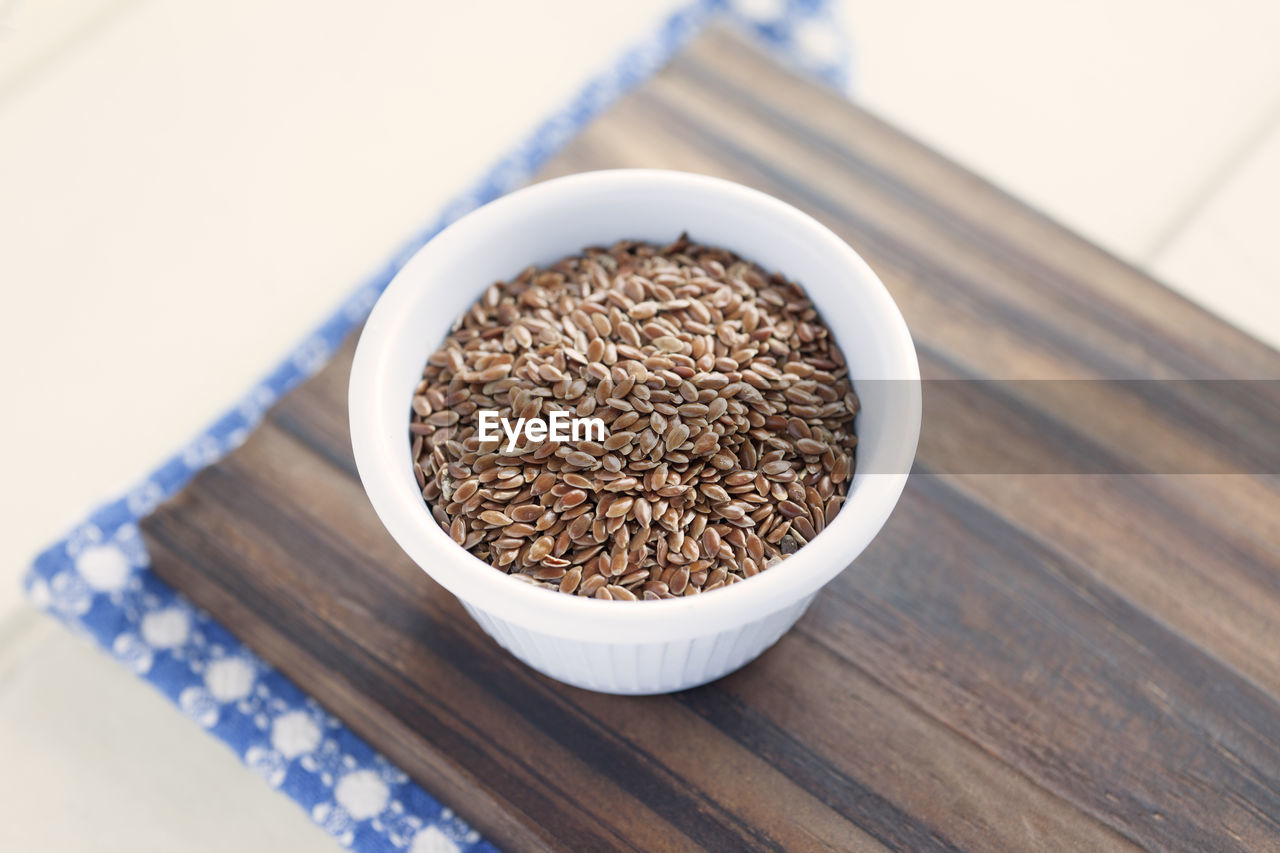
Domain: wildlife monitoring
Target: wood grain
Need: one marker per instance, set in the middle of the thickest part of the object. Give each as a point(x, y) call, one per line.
point(1017, 663)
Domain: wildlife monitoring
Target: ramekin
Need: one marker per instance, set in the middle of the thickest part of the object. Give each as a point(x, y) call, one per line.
point(646, 646)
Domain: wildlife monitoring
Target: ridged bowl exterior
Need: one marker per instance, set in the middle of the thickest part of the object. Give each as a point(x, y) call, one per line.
point(642, 668)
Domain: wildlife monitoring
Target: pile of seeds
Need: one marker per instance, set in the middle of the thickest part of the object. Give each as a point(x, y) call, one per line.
point(729, 416)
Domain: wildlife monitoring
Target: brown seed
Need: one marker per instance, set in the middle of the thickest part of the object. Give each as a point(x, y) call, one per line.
point(581, 460)
point(643, 512)
point(723, 461)
point(622, 484)
point(569, 583)
point(676, 436)
point(679, 581)
point(619, 508)
point(791, 509)
point(732, 511)
point(526, 513)
point(580, 526)
point(705, 443)
point(832, 508)
point(549, 573)
point(618, 440)
point(592, 584)
point(543, 483)
point(715, 493)
point(577, 481)
point(634, 577)
point(570, 499)
point(465, 491)
point(540, 548)
point(776, 467)
point(809, 447)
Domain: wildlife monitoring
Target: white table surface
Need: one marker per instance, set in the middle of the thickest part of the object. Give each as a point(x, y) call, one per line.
point(186, 189)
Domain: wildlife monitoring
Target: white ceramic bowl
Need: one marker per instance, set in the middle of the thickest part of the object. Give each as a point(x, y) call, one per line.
point(646, 646)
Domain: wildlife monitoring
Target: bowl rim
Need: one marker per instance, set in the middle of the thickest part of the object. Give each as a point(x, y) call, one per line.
point(405, 515)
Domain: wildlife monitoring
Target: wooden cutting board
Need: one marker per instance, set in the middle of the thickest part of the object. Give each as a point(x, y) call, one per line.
point(1017, 663)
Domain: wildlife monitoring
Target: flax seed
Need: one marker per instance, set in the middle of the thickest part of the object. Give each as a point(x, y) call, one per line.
point(728, 410)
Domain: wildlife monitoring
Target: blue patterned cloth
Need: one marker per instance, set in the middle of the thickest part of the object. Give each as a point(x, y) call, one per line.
point(98, 579)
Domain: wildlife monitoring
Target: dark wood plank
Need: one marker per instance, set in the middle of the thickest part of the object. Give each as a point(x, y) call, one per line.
point(1018, 662)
